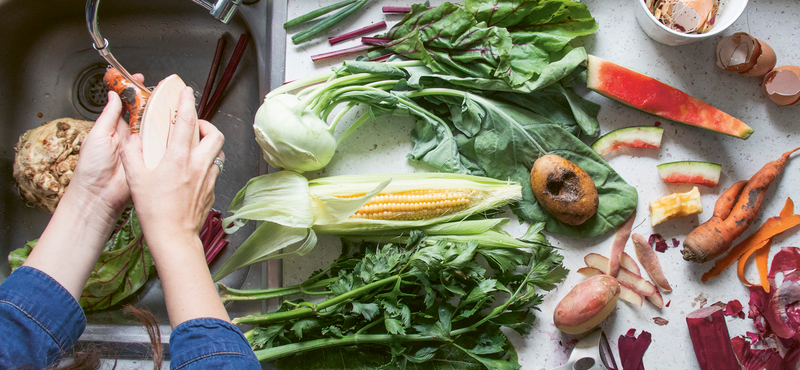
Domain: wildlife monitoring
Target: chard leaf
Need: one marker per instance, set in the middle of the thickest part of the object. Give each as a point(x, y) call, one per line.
point(123, 268)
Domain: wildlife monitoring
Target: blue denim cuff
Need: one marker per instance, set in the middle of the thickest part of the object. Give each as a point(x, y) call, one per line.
point(200, 342)
point(46, 303)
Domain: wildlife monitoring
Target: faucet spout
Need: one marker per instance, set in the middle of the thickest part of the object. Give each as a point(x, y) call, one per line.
point(222, 10)
point(101, 44)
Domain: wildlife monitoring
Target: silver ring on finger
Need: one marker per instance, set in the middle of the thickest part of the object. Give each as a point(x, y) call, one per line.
point(218, 161)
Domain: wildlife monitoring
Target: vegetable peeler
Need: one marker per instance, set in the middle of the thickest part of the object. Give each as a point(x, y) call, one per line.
point(591, 353)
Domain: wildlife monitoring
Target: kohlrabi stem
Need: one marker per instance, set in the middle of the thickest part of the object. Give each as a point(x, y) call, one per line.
point(306, 311)
point(274, 353)
point(301, 82)
point(327, 86)
point(382, 85)
point(463, 94)
point(339, 116)
point(360, 121)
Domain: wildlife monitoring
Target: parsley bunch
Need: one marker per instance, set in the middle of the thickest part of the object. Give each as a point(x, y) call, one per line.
point(432, 300)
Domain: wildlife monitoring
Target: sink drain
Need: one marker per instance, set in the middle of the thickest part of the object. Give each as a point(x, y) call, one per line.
point(91, 93)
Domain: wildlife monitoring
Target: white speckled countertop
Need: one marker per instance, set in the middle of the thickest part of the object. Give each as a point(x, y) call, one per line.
point(381, 148)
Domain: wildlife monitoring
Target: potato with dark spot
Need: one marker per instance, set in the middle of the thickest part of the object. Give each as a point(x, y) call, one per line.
point(564, 189)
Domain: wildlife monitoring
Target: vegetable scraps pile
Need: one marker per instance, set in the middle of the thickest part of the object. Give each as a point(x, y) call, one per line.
point(431, 300)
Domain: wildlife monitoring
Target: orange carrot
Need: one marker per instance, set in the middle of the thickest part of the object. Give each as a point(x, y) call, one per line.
point(761, 239)
point(712, 238)
point(133, 98)
point(762, 258)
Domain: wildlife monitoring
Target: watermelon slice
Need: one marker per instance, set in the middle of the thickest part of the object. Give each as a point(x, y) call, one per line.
point(638, 136)
point(652, 96)
point(702, 173)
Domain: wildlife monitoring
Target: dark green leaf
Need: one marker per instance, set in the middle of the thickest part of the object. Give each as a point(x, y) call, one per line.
point(368, 310)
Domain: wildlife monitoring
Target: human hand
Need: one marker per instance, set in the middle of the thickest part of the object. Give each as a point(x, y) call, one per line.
point(99, 177)
point(173, 199)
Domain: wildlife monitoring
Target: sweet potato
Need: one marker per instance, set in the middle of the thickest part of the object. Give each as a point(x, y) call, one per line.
point(626, 294)
point(618, 246)
point(625, 277)
point(714, 237)
point(587, 304)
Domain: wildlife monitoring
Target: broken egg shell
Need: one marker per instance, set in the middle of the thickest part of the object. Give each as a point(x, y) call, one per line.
point(745, 54)
point(782, 85)
point(765, 62)
point(695, 17)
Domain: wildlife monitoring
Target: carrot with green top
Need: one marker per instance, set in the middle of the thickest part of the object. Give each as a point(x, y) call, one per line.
point(714, 237)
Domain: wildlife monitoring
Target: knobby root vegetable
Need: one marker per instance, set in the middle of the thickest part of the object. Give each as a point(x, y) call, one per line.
point(649, 260)
point(587, 304)
point(45, 158)
point(618, 246)
point(710, 339)
point(133, 98)
point(714, 237)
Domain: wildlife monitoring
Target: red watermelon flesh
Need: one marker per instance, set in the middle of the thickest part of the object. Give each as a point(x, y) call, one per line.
point(652, 96)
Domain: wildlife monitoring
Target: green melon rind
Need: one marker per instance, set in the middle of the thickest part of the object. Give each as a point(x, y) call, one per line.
point(593, 81)
point(708, 170)
point(650, 134)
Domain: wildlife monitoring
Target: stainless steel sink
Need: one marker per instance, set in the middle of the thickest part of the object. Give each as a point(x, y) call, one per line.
point(48, 70)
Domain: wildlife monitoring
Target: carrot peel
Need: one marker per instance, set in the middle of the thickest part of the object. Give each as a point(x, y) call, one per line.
point(758, 243)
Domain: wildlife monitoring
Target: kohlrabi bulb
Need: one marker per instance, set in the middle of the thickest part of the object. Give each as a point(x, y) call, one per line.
point(297, 141)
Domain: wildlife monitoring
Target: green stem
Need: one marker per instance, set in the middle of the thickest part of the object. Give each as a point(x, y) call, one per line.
point(328, 85)
point(275, 353)
point(306, 311)
point(360, 121)
point(339, 116)
point(316, 13)
point(326, 23)
point(370, 325)
point(230, 294)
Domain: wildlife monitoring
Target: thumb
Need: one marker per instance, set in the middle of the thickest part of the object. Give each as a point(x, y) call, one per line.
point(132, 158)
point(106, 124)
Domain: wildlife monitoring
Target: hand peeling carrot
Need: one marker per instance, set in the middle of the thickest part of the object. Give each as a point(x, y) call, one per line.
point(760, 240)
point(133, 98)
point(714, 237)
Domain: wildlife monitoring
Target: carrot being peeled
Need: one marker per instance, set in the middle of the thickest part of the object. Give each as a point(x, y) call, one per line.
point(133, 98)
point(714, 237)
point(760, 240)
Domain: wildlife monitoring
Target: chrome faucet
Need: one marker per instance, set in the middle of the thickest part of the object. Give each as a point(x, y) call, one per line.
point(222, 10)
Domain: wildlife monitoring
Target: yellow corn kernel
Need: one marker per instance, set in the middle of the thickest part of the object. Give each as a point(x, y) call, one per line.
point(675, 205)
point(415, 205)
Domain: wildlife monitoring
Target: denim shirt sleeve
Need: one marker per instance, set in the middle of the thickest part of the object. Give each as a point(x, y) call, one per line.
point(39, 320)
point(208, 343)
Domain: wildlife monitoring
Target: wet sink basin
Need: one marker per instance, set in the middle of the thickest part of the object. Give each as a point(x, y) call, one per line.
point(48, 70)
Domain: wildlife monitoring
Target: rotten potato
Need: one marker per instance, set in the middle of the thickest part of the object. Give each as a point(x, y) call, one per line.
point(564, 189)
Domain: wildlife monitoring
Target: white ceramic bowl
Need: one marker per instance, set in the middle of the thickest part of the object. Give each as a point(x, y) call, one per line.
point(730, 10)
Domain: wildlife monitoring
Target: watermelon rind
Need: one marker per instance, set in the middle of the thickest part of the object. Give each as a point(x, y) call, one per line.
point(694, 172)
point(649, 95)
point(636, 136)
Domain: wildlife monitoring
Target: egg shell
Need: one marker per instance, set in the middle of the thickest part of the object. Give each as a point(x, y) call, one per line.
point(587, 304)
point(765, 61)
point(733, 44)
point(789, 83)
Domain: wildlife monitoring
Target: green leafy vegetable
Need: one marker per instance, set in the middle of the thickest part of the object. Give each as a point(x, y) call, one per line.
point(430, 302)
point(124, 265)
point(524, 43)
